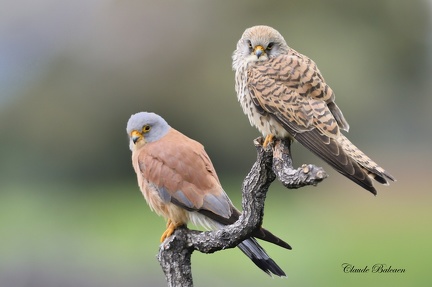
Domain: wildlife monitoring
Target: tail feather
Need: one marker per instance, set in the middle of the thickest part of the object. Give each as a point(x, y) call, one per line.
point(346, 158)
point(258, 255)
point(249, 246)
point(371, 167)
point(266, 235)
point(332, 152)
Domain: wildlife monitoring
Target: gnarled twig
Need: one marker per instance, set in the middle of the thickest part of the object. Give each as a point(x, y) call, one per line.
point(175, 252)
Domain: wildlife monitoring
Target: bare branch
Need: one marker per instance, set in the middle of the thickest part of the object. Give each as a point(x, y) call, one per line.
point(291, 178)
point(175, 252)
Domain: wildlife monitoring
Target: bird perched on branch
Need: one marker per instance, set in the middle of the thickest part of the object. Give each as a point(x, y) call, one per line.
point(180, 183)
point(285, 96)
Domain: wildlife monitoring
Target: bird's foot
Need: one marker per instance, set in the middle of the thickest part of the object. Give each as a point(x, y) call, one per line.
point(268, 139)
point(171, 227)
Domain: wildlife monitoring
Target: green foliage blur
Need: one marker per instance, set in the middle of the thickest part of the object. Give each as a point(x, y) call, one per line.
point(71, 74)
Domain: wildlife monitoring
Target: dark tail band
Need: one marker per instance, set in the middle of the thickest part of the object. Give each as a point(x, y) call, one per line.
point(258, 255)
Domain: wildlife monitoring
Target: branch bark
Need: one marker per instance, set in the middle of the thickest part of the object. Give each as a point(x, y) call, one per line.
point(274, 161)
point(291, 178)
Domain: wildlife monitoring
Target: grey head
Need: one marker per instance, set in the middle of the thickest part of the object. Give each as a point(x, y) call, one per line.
point(259, 43)
point(145, 127)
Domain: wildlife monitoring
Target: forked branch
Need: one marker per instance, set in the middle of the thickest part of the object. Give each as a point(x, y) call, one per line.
point(274, 161)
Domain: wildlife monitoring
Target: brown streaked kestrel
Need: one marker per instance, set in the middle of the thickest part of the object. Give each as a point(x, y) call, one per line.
point(179, 182)
point(285, 96)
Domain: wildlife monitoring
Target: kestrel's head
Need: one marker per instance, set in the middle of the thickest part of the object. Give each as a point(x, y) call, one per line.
point(259, 43)
point(145, 127)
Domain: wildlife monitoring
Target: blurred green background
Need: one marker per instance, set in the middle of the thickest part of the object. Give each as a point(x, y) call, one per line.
point(72, 72)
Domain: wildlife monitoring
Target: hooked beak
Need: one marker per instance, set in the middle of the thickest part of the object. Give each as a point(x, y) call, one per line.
point(258, 51)
point(136, 136)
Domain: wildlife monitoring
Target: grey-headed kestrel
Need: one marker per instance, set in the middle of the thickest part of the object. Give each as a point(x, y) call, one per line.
point(179, 182)
point(285, 96)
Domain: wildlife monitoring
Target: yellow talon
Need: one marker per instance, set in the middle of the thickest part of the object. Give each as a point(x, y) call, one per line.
point(169, 222)
point(171, 227)
point(268, 139)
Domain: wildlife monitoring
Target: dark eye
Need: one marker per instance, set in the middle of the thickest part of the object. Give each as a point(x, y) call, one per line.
point(250, 45)
point(146, 128)
point(270, 46)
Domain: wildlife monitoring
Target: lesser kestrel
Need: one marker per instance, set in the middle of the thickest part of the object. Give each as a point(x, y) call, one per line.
point(285, 96)
point(179, 182)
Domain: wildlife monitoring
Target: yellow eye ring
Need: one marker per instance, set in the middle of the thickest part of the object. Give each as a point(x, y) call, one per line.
point(146, 128)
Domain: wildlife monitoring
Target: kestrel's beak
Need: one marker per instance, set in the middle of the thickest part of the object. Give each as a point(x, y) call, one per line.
point(136, 136)
point(259, 50)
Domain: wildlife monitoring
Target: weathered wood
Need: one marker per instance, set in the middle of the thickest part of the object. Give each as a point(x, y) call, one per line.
point(291, 178)
point(175, 252)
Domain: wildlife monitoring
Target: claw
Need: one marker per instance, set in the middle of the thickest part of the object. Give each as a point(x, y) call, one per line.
point(169, 222)
point(171, 227)
point(268, 139)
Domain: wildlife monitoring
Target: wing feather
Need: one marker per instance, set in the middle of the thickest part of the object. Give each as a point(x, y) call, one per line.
point(179, 167)
point(290, 89)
